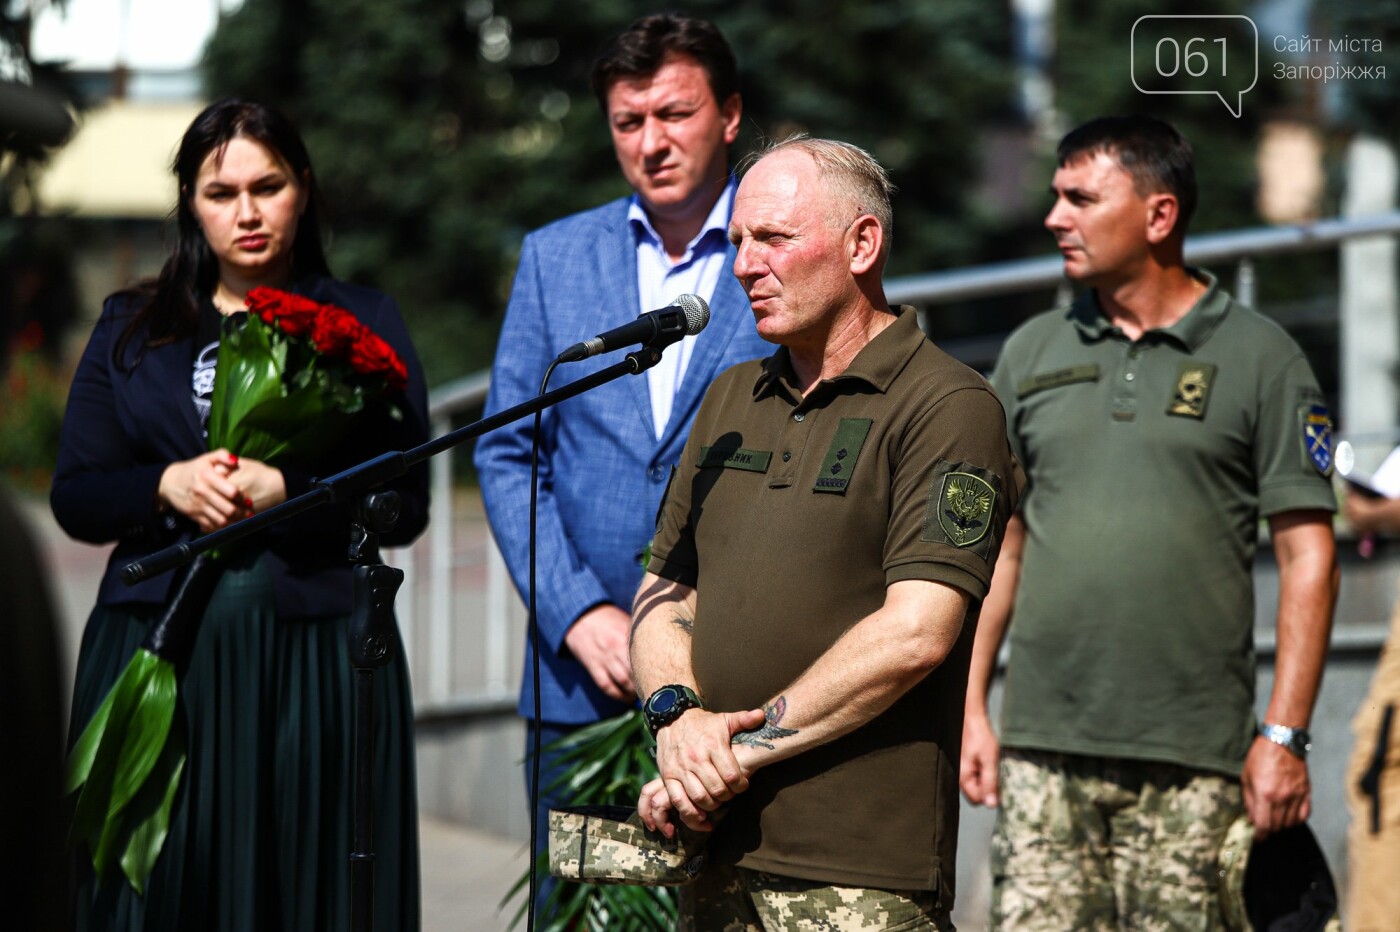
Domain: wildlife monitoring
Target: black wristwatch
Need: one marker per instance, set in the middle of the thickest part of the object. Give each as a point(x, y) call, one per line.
point(666, 705)
point(1296, 740)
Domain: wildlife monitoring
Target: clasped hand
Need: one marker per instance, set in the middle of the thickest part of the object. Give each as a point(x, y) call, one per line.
point(700, 770)
point(218, 488)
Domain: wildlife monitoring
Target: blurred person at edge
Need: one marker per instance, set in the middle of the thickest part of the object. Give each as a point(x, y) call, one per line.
point(1373, 774)
point(1158, 421)
point(33, 879)
point(668, 87)
point(260, 834)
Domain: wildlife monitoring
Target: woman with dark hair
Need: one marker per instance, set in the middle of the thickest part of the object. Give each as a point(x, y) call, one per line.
point(259, 836)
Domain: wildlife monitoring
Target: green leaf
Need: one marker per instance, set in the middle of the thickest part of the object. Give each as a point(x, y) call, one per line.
point(95, 799)
point(146, 735)
point(141, 740)
point(149, 815)
point(81, 758)
point(273, 404)
point(112, 766)
point(248, 374)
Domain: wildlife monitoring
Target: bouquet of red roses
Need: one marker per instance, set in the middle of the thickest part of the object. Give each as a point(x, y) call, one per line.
point(289, 379)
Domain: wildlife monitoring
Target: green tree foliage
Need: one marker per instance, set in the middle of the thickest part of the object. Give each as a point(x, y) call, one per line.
point(443, 132)
point(1092, 76)
point(37, 291)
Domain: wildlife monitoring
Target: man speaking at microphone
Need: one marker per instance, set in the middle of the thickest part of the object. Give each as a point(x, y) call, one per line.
point(668, 86)
point(803, 632)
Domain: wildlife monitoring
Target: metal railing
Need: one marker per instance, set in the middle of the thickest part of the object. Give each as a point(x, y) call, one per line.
point(432, 624)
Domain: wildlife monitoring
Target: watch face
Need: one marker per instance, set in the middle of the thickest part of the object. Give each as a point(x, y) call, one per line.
point(664, 701)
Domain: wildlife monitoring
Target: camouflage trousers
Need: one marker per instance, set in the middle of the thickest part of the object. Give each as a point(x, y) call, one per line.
point(1089, 843)
point(733, 899)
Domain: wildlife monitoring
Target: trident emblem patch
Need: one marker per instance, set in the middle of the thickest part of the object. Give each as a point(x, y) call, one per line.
point(964, 505)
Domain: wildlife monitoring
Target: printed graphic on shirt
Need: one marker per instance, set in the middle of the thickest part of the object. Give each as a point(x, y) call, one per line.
point(202, 383)
point(1192, 390)
point(1316, 429)
point(840, 461)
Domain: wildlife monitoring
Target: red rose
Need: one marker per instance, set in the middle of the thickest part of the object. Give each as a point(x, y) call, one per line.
point(370, 355)
point(335, 331)
point(290, 313)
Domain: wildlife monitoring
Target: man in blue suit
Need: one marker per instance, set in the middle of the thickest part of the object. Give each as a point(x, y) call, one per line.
point(669, 88)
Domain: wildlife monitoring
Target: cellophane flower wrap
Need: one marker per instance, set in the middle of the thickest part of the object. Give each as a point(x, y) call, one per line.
point(290, 378)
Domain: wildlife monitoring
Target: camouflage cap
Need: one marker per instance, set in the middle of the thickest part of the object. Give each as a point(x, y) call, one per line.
point(609, 844)
point(1281, 881)
point(1234, 860)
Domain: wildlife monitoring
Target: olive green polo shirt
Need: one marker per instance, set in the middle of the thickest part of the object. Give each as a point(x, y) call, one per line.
point(790, 516)
point(1150, 464)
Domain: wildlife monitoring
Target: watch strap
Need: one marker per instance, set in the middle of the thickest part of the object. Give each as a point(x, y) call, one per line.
point(1296, 740)
point(667, 704)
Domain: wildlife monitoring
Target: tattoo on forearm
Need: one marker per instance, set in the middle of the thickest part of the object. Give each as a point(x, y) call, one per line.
point(680, 621)
point(761, 737)
point(655, 598)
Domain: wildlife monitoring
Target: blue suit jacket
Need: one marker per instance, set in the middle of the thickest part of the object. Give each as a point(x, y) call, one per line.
point(602, 469)
point(125, 425)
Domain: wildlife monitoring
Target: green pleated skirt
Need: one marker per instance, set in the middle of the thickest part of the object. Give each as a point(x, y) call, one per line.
point(260, 835)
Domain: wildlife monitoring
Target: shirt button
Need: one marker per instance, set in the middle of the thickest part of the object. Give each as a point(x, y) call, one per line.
point(1129, 376)
point(787, 456)
point(656, 473)
point(799, 416)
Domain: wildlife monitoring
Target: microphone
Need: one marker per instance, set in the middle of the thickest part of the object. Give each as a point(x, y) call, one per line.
point(687, 316)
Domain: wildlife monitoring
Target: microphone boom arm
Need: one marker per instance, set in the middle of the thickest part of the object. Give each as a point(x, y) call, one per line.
point(375, 472)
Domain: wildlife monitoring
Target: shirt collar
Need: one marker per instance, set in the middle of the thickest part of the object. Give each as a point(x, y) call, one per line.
point(877, 364)
point(1191, 331)
point(718, 219)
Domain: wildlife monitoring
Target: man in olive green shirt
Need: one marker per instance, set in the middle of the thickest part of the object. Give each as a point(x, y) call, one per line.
point(804, 629)
point(1157, 421)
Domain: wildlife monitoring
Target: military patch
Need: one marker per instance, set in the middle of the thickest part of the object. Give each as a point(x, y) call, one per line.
point(735, 458)
point(1316, 434)
point(840, 461)
point(965, 505)
point(961, 508)
point(1066, 376)
point(1192, 391)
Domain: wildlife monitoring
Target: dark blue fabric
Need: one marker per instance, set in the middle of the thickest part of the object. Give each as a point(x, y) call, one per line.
point(124, 426)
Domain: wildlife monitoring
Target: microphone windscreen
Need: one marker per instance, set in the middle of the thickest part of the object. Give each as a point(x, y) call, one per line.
point(697, 312)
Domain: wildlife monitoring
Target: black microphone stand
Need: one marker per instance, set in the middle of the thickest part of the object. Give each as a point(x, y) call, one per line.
point(370, 631)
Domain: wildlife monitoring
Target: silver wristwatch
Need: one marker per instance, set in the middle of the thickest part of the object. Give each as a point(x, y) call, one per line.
point(1296, 740)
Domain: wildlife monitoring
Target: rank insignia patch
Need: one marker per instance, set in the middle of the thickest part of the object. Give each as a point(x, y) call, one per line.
point(965, 508)
point(1317, 436)
point(841, 458)
point(1192, 390)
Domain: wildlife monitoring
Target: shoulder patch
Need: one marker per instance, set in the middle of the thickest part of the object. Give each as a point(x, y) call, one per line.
point(962, 507)
point(1315, 429)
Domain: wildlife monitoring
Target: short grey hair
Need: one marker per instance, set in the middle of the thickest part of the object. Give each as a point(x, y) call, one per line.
point(851, 173)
